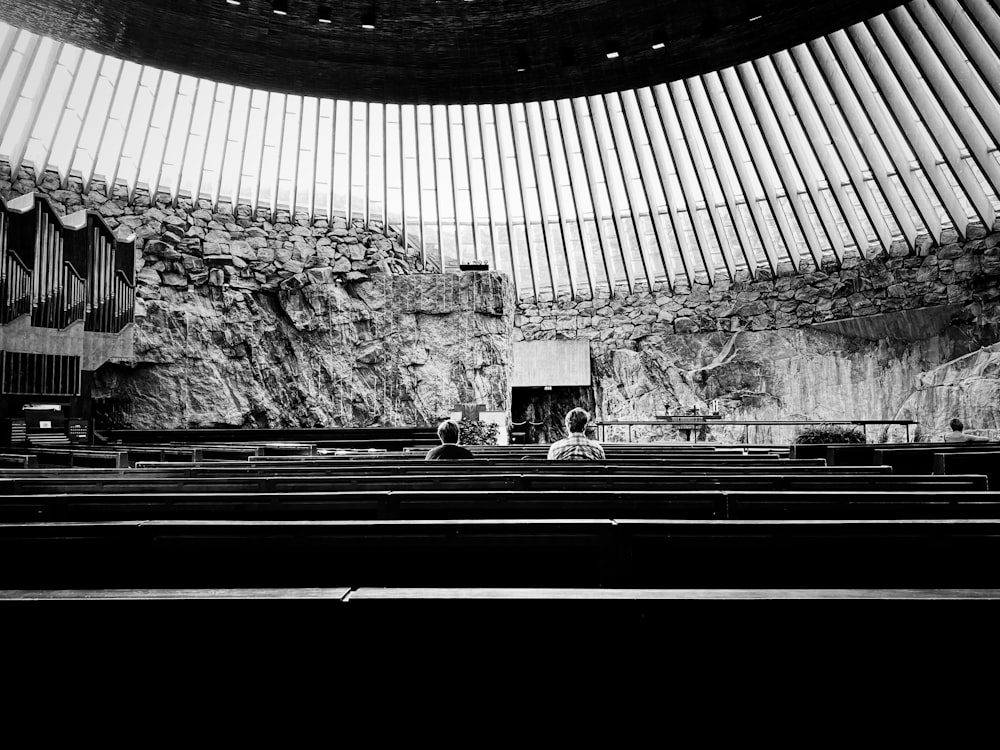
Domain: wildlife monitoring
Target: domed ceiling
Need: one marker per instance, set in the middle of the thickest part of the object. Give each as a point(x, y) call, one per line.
point(438, 51)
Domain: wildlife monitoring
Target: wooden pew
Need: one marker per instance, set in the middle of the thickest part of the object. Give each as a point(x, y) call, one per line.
point(516, 552)
point(360, 505)
point(528, 482)
point(362, 461)
point(754, 503)
point(961, 462)
point(78, 457)
point(17, 460)
point(222, 469)
point(390, 438)
point(865, 453)
point(920, 459)
point(366, 595)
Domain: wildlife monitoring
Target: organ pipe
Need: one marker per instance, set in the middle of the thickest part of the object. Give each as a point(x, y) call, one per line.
point(63, 270)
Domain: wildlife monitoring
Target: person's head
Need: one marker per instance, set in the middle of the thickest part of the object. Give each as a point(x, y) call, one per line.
point(577, 419)
point(956, 425)
point(448, 431)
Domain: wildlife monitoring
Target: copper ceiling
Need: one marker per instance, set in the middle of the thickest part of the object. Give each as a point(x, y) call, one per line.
point(438, 51)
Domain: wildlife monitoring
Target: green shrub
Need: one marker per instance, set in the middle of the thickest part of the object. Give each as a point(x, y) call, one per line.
point(830, 433)
point(477, 433)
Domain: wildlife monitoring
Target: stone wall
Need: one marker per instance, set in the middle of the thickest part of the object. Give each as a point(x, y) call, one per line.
point(899, 335)
point(250, 319)
point(247, 321)
point(390, 350)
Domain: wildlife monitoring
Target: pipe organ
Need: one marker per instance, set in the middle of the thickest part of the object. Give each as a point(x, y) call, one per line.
point(67, 300)
point(110, 280)
point(15, 281)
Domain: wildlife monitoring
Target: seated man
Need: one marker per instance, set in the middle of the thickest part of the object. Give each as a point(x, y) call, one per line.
point(449, 448)
point(957, 436)
point(576, 447)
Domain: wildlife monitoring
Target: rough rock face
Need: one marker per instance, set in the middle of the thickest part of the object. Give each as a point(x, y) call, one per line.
point(794, 374)
point(968, 386)
point(899, 335)
point(248, 319)
point(391, 350)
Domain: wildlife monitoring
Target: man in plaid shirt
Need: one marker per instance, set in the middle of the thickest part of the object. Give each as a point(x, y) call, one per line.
point(576, 447)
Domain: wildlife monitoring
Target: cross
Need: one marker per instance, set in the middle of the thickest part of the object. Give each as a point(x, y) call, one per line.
point(469, 410)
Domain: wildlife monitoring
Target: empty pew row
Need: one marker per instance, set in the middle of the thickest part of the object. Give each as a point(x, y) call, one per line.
point(392, 438)
point(53, 458)
point(640, 448)
point(442, 503)
point(216, 451)
point(12, 460)
point(857, 454)
point(654, 459)
point(122, 456)
point(587, 552)
point(237, 469)
point(921, 460)
point(151, 457)
point(981, 462)
point(378, 596)
point(487, 481)
point(610, 451)
point(75, 457)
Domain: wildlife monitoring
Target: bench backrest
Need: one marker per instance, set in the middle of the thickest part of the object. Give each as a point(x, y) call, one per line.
point(487, 481)
point(307, 507)
point(978, 462)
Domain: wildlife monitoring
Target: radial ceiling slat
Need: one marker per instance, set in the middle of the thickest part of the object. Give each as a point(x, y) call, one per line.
point(843, 144)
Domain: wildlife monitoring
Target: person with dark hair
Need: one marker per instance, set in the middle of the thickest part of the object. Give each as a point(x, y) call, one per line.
point(449, 448)
point(957, 435)
point(576, 446)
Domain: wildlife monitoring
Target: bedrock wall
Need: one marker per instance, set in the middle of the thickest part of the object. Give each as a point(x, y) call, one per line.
point(245, 321)
point(905, 334)
point(248, 319)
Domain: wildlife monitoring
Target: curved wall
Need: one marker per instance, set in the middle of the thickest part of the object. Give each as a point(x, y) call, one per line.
point(811, 233)
point(885, 132)
point(277, 327)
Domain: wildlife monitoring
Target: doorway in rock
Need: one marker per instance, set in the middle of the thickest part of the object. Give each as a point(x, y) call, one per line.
point(538, 414)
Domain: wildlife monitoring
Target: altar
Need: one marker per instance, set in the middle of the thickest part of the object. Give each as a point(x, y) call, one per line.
point(710, 421)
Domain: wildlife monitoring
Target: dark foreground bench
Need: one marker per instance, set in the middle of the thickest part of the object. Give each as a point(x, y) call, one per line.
point(443, 504)
point(384, 438)
point(646, 553)
point(19, 461)
point(245, 469)
point(367, 595)
point(513, 481)
point(862, 454)
point(921, 460)
point(980, 462)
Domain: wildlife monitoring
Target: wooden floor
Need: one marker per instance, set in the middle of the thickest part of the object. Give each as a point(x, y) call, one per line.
point(487, 594)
